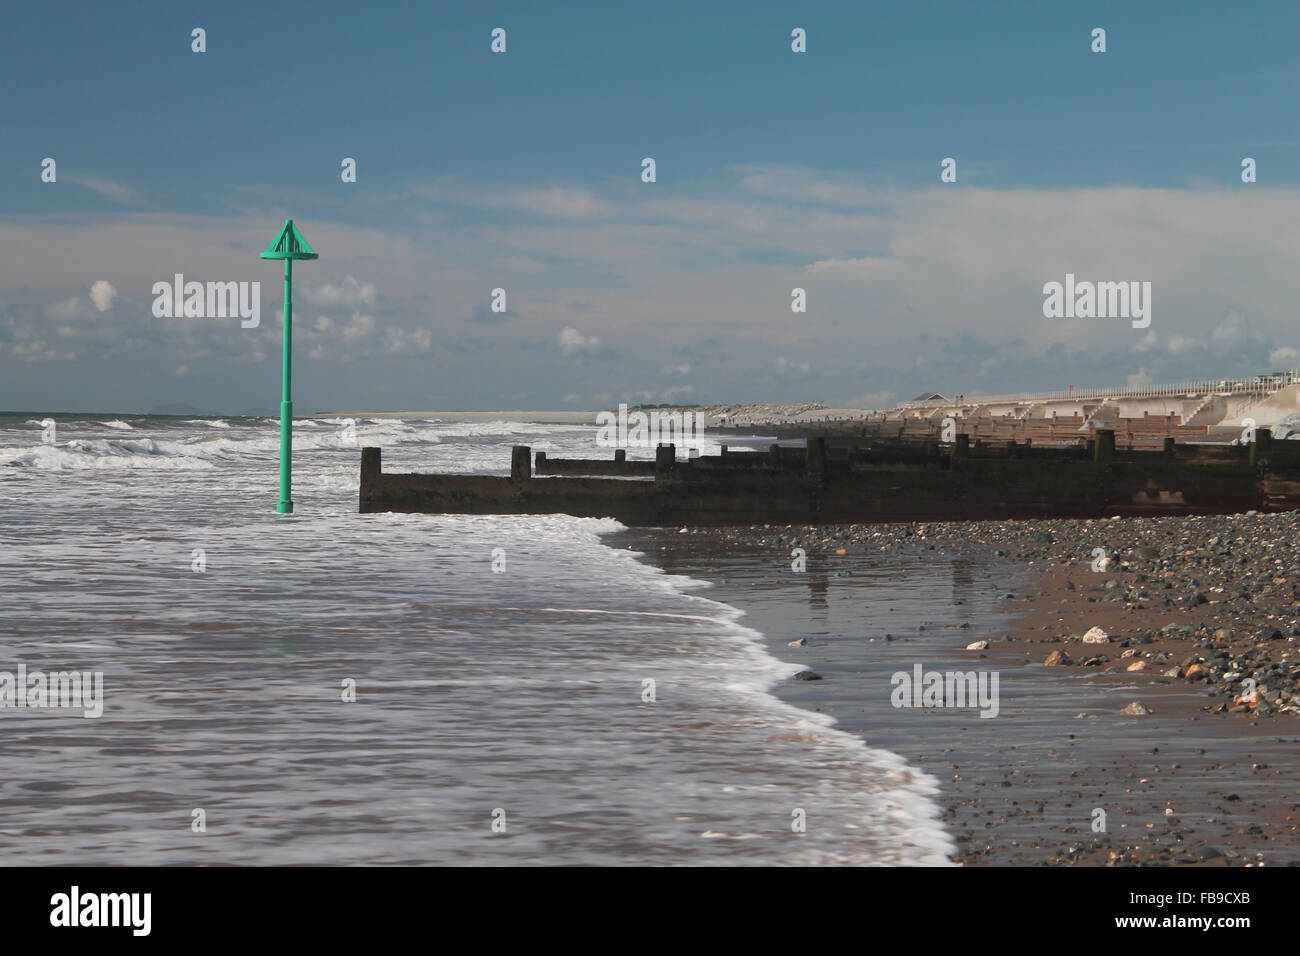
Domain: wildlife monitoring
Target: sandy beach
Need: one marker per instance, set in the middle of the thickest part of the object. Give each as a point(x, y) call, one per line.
point(1207, 776)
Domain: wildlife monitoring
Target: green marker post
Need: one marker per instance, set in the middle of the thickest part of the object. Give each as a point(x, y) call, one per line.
point(289, 245)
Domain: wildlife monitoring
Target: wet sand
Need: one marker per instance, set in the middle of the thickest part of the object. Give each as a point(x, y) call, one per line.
point(1181, 785)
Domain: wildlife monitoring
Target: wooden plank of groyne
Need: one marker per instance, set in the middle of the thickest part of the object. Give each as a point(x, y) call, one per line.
point(879, 483)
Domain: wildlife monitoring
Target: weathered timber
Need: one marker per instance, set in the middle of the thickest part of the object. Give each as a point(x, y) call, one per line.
point(619, 465)
point(836, 480)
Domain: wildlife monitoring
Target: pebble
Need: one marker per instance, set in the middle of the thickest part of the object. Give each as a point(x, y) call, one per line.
point(1214, 584)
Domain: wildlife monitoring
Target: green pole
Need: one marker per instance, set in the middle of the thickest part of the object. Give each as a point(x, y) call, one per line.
point(286, 401)
point(289, 245)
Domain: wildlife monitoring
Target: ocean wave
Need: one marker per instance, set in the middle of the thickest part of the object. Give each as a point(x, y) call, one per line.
point(97, 454)
point(331, 438)
point(912, 817)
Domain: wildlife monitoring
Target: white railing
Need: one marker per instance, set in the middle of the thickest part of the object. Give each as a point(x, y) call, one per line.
point(1261, 389)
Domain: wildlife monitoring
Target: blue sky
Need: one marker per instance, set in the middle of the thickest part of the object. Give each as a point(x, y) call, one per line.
point(522, 171)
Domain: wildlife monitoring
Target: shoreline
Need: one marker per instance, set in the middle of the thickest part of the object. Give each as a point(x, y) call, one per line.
point(1191, 782)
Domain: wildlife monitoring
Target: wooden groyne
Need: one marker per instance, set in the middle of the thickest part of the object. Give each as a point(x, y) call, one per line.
point(593, 466)
point(832, 482)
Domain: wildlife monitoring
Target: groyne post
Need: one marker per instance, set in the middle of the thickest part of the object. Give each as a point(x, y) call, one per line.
point(815, 462)
point(1261, 446)
point(665, 458)
point(1104, 445)
point(371, 464)
point(521, 463)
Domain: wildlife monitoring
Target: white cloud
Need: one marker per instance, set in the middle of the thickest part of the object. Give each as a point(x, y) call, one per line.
point(560, 202)
point(107, 188)
point(360, 327)
point(784, 366)
point(361, 337)
point(403, 342)
point(519, 264)
point(859, 270)
point(64, 309)
point(102, 294)
point(1231, 331)
point(37, 351)
point(1284, 356)
point(1147, 342)
point(798, 184)
point(349, 293)
point(556, 202)
point(882, 267)
point(573, 342)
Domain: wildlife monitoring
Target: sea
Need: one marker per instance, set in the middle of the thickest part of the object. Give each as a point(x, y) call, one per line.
point(328, 687)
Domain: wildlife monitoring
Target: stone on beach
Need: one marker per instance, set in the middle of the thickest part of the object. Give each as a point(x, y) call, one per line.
point(1249, 629)
point(1095, 635)
point(977, 646)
